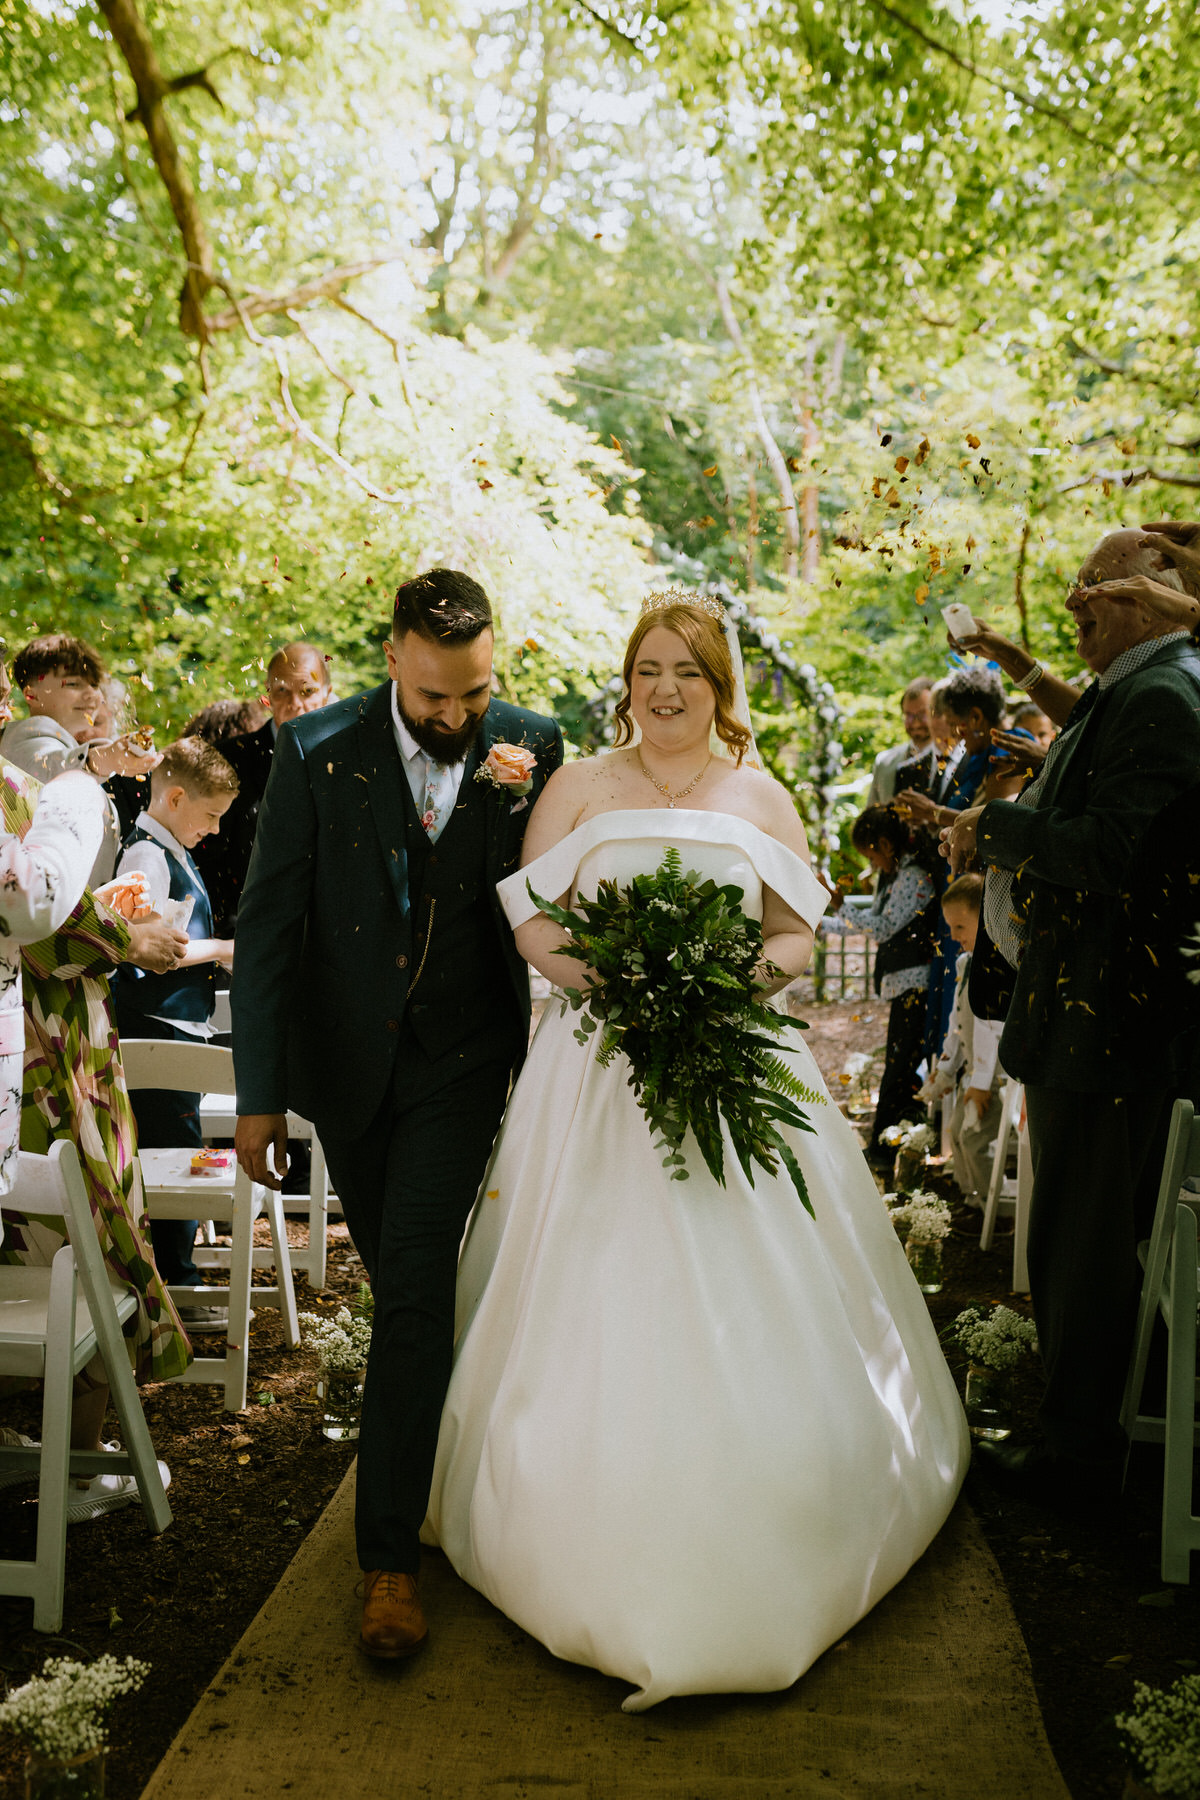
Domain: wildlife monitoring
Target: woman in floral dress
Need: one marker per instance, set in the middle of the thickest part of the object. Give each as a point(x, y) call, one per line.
point(75, 1088)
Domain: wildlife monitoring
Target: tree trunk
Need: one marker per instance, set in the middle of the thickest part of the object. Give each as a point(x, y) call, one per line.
point(776, 461)
point(137, 47)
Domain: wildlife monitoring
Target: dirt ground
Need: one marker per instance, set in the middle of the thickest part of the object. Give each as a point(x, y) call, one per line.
point(1095, 1613)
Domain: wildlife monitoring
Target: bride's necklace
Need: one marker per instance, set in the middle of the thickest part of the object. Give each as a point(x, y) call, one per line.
point(662, 786)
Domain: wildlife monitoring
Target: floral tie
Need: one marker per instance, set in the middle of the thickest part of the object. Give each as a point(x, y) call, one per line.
point(439, 798)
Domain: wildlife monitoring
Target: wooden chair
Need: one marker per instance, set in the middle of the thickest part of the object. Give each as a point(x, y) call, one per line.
point(1169, 1289)
point(170, 1191)
point(52, 1322)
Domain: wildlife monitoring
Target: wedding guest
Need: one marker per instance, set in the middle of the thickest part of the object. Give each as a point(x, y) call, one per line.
point(1060, 860)
point(914, 711)
point(60, 679)
point(74, 1088)
point(969, 1066)
point(223, 720)
point(191, 790)
point(901, 922)
point(110, 719)
point(297, 683)
point(971, 702)
point(1028, 716)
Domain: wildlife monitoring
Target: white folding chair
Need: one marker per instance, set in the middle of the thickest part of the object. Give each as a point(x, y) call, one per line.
point(1010, 1193)
point(218, 1119)
point(171, 1191)
point(1169, 1287)
point(52, 1322)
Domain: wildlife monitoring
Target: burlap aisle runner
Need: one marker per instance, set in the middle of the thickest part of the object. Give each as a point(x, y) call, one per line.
point(930, 1696)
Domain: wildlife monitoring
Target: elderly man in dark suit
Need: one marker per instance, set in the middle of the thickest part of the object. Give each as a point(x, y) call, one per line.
point(380, 994)
point(1061, 861)
point(297, 683)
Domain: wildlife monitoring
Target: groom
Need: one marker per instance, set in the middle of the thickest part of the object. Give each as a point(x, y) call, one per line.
point(379, 994)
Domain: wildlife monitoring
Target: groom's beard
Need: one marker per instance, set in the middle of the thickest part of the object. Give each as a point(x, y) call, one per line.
point(444, 746)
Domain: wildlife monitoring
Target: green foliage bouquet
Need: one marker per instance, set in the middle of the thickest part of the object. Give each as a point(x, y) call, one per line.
point(678, 966)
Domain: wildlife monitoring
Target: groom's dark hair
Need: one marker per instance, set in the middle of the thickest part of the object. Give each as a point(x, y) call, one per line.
point(442, 606)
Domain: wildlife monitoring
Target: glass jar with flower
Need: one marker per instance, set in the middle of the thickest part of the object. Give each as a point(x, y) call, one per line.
point(926, 1217)
point(995, 1339)
point(912, 1144)
point(60, 1717)
point(341, 1342)
point(1161, 1737)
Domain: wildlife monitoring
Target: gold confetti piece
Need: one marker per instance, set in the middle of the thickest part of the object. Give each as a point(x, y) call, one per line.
point(901, 464)
point(922, 593)
point(243, 1458)
point(711, 471)
point(972, 440)
point(892, 497)
point(923, 449)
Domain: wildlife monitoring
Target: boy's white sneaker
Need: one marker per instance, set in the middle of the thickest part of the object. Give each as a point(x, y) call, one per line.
point(105, 1493)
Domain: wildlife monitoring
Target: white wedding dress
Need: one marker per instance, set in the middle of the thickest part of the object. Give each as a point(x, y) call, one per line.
point(692, 1434)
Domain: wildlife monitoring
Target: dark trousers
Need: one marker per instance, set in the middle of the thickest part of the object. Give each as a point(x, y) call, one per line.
point(166, 1120)
point(406, 1187)
point(1097, 1163)
point(905, 1047)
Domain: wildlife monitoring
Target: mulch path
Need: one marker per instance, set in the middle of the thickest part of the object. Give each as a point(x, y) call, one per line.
point(1095, 1614)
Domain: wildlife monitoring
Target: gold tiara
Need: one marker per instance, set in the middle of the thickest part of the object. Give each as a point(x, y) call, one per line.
point(684, 597)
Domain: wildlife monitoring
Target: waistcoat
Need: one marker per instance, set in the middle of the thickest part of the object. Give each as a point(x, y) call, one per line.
point(460, 984)
point(181, 993)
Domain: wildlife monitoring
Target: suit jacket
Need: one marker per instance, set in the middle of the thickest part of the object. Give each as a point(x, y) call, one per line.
point(325, 928)
point(1077, 853)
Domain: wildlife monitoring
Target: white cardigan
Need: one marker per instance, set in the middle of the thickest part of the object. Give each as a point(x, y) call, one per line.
point(42, 880)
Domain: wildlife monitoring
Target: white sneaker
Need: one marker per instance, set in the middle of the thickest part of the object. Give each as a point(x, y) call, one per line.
point(105, 1493)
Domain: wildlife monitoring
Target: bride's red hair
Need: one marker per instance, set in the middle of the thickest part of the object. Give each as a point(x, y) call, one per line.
point(706, 641)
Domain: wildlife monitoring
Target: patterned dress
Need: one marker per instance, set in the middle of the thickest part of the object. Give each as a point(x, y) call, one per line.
point(75, 1088)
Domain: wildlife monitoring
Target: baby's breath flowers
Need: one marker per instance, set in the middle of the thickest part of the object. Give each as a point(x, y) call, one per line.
point(916, 1139)
point(994, 1336)
point(1162, 1735)
point(60, 1713)
point(341, 1342)
point(926, 1215)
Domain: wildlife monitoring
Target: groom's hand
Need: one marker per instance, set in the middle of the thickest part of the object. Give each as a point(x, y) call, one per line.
point(255, 1134)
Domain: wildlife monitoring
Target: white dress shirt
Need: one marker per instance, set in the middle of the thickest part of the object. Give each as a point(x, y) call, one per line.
point(416, 761)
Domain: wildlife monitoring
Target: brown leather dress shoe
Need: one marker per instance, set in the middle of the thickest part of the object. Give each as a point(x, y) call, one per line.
point(393, 1624)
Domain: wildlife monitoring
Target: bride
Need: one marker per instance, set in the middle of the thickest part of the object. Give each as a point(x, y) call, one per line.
point(692, 1434)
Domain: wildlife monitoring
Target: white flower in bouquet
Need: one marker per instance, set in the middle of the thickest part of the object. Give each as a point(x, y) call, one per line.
point(60, 1713)
point(926, 1215)
point(1162, 1735)
point(341, 1342)
point(995, 1336)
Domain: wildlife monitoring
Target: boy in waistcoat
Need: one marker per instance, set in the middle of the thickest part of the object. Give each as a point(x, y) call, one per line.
point(969, 1065)
point(190, 791)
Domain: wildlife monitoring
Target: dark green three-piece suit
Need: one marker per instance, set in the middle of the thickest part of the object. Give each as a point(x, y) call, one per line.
point(1100, 1075)
point(379, 993)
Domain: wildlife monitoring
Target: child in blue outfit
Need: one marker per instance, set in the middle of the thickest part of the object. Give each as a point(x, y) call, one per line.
point(190, 791)
point(902, 922)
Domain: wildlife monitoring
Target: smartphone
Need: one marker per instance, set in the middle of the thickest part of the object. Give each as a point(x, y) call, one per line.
point(960, 621)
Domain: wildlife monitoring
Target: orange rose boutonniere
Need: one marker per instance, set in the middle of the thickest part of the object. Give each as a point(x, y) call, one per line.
point(508, 766)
